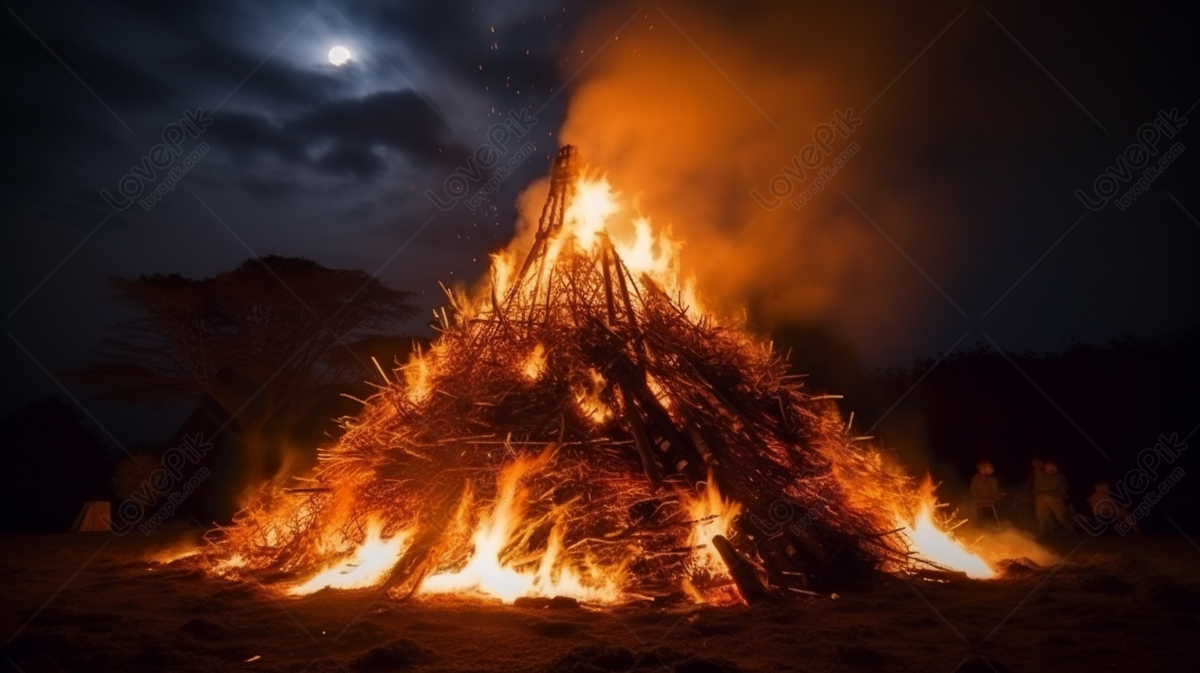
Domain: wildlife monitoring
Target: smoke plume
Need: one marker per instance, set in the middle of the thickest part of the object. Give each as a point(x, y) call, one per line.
point(694, 115)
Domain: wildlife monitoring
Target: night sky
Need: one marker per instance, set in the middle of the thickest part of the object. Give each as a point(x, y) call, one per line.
point(958, 213)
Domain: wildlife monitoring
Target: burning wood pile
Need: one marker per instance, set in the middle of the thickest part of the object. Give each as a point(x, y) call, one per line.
point(584, 429)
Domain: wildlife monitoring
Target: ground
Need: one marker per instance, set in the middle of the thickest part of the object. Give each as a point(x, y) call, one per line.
point(92, 602)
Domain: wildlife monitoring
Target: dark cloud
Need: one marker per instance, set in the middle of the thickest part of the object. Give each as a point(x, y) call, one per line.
point(399, 120)
point(269, 187)
point(345, 136)
point(250, 134)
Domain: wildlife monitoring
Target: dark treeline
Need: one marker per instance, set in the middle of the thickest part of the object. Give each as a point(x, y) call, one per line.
point(1072, 407)
point(263, 354)
point(938, 414)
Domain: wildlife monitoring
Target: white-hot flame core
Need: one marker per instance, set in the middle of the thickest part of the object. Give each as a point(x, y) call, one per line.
point(487, 573)
point(713, 515)
point(366, 568)
point(587, 215)
point(932, 543)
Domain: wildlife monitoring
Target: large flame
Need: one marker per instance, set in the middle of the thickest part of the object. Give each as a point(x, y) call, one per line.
point(712, 515)
point(368, 566)
point(516, 545)
point(594, 217)
point(591, 206)
point(931, 542)
point(489, 572)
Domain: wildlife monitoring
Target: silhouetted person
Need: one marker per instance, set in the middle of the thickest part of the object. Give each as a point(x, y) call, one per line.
point(985, 489)
point(1050, 498)
point(1036, 467)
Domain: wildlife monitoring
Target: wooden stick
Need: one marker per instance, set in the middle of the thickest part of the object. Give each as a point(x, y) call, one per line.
point(743, 575)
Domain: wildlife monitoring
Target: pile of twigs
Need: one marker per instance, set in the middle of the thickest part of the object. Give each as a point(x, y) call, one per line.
point(642, 404)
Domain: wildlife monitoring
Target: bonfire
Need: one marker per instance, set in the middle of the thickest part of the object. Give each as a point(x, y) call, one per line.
point(584, 428)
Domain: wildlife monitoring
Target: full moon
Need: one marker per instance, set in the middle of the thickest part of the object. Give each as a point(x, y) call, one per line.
point(339, 55)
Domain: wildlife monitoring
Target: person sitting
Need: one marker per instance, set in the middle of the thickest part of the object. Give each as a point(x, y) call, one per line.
point(985, 489)
point(1050, 498)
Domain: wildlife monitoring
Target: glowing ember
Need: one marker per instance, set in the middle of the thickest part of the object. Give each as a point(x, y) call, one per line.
point(366, 568)
point(535, 363)
point(711, 515)
point(660, 391)
point(587, 396)
point(172, 555)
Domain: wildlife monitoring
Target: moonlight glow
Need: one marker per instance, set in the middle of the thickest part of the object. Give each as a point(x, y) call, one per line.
point(339, 55)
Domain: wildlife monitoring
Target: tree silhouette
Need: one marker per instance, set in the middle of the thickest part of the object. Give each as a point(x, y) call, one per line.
point(261, 344)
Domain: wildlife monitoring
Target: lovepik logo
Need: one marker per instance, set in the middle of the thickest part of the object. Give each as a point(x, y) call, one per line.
point(131, 186)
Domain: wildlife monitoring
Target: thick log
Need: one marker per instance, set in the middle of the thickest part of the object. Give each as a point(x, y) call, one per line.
point(742, 573)
point(936, 575)
point(810, 556)
point(632, 314)
point(605, 261)
point(640, 439)
point(685, 458)
point(406, 577)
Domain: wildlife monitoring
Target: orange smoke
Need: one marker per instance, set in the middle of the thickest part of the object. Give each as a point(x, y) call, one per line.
point(689, 126)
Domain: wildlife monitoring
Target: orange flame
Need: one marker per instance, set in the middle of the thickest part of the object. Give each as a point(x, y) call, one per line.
point(932, 543)
point(535, 363)
point(594, 215)
point(368, 566)
point(587, 397)
point(418, 376)
point(489, 573)
point(491, 552)
point(712, 515)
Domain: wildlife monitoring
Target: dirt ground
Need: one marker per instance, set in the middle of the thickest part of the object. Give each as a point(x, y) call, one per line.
point(92, 602)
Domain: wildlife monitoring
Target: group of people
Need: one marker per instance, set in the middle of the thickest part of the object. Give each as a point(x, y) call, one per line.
point(1045, 495)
